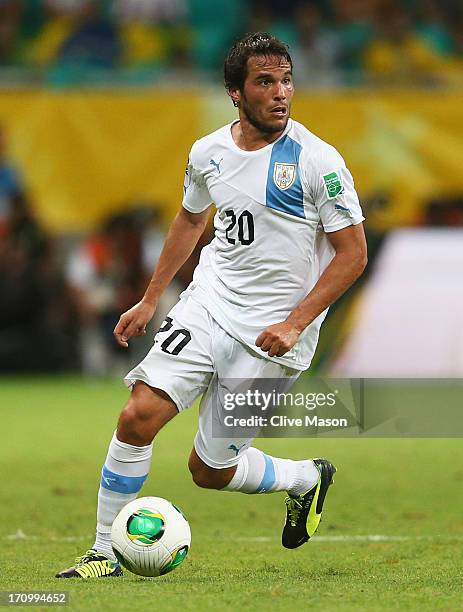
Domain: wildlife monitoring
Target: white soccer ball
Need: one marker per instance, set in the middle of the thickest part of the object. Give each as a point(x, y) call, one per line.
point(150, 536)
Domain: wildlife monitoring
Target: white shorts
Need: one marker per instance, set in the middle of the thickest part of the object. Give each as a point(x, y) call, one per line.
point(192, 355)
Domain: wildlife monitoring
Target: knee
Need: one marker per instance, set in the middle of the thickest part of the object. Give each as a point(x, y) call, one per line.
point(207, 477)
point(143, 416)
point(202, 477)
point(131, 427)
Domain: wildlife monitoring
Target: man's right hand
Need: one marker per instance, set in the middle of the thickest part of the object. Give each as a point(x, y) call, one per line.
point(133, 322)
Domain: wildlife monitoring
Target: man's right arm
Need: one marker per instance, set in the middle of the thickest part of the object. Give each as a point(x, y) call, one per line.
point(182, 237)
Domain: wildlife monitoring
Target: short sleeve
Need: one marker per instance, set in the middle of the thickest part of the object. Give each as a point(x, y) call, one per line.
point(333, 191)
point(196, 196)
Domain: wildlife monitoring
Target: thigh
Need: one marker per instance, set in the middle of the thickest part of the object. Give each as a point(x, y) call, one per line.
point(237, 369)
point(180, 361)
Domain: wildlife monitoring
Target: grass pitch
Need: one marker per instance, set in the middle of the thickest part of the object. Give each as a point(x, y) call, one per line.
point(391, 536)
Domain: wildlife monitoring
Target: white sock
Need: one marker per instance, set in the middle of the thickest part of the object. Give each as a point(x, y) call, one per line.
point(123, 474)
point(257, 472)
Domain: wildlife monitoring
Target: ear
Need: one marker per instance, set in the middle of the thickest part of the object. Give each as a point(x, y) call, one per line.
point(235, 95)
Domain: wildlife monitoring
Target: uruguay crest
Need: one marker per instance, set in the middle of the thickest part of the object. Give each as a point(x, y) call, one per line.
point(284, 175)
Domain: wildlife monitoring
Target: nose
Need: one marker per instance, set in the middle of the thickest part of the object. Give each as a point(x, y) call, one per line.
point(280, 92)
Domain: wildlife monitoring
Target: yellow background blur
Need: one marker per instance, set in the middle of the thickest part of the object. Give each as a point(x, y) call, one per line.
point(85, 154)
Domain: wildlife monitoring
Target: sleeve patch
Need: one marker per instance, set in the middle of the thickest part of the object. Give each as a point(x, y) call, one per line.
point(333, 184)
point(187, 179)
point(196, 176)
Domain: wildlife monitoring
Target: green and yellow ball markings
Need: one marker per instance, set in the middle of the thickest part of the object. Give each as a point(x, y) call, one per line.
point(178, 557)
point(145, 526)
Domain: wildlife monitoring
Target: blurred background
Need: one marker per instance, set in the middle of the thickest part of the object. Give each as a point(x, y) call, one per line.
point(99, 105)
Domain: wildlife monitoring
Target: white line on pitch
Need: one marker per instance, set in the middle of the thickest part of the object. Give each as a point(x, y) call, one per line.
point(20, 535)
point(360, 538)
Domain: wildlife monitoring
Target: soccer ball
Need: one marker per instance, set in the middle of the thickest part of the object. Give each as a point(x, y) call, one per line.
point(150, 536)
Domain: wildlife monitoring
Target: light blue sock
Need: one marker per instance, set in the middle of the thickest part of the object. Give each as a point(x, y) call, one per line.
point(123, 474)
point(257, 472)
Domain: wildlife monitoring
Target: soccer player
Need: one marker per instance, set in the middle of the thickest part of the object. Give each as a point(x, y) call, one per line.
point(288, 242)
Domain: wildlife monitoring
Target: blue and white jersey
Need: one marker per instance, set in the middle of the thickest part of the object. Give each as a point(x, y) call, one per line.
point(274, 207)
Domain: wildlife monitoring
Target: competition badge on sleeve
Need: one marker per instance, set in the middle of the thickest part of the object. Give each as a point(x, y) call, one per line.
point(333, 184)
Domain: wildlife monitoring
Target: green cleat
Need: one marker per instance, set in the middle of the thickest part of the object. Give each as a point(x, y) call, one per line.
point(304, 512)
point(92, 564)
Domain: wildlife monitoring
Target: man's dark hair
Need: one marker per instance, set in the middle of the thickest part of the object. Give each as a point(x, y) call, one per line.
point(258, 43)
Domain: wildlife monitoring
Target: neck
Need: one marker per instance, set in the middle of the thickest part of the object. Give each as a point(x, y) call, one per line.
point(250, 138)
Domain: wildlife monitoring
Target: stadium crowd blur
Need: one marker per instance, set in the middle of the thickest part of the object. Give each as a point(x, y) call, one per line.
point(37, 326)
point(60, 299)
point(65, 42)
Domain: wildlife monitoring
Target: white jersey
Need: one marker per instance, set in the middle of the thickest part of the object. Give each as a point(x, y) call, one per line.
point(274, 206)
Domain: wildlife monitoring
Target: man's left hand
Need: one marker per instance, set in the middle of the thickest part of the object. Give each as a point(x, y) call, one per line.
point(278, 339)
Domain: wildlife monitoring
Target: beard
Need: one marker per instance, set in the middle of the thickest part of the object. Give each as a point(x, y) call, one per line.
point(263, 127)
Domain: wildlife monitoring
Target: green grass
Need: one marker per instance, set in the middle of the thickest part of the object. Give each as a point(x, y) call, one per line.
point(55, 436)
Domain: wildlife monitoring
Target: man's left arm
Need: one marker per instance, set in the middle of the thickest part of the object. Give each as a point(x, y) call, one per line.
point(346, 266)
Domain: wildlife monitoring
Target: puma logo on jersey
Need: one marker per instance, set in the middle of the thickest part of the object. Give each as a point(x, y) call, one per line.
point(343, 209)
point(216, 164)
point(236, 448)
